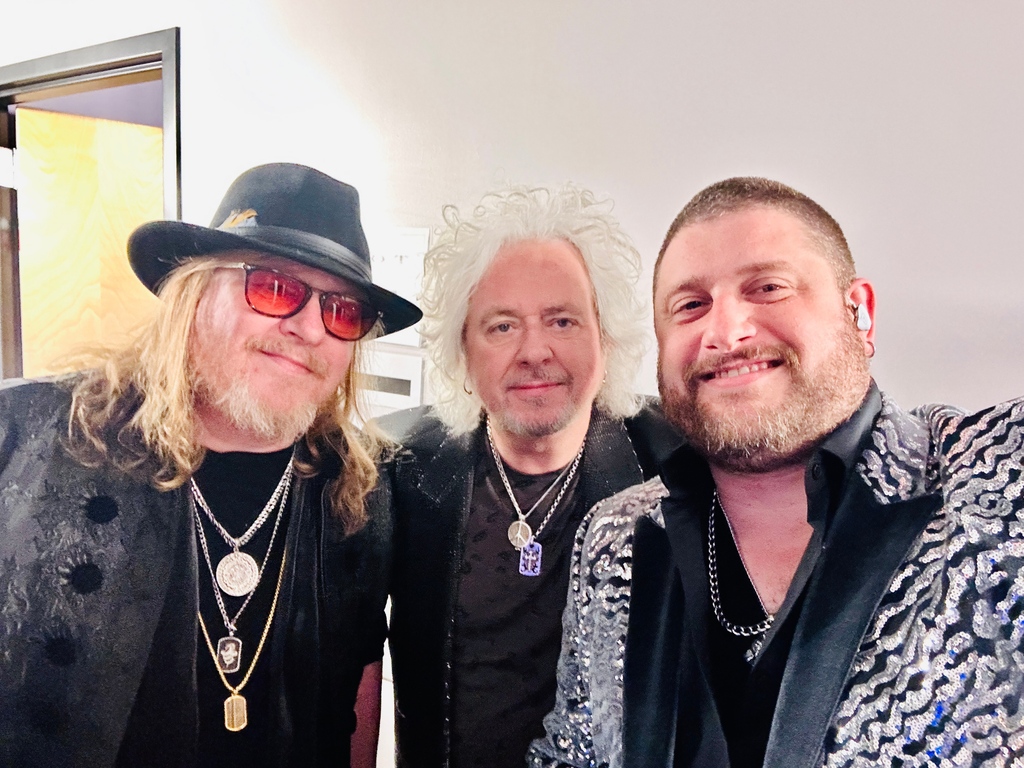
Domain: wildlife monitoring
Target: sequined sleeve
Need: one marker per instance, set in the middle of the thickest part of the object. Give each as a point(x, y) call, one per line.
point(584, 730)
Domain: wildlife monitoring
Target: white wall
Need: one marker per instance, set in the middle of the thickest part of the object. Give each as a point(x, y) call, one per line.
point(903, 119)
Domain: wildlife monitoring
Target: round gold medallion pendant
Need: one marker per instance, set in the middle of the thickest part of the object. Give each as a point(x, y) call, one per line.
point(237, 574)
point(519, 533)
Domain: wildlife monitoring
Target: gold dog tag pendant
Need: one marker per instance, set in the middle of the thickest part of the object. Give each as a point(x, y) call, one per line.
point(235, 716)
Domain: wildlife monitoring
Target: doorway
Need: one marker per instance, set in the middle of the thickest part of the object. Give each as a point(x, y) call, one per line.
point(89, 149)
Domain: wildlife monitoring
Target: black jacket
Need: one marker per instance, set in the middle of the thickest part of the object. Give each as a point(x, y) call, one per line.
point(88, 558)
point(889, 602)
point(432, 480)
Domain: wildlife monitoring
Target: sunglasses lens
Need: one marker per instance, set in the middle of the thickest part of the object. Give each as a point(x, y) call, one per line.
point(274, 294)
point(347, 318)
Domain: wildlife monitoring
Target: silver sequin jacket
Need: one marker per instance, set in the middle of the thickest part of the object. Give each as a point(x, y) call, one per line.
point(908, 649)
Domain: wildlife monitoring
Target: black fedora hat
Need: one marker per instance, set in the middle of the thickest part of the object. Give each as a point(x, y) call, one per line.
point(283, 210)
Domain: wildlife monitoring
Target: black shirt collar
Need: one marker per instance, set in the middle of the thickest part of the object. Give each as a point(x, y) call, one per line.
point(846, 442)
point(688, 478)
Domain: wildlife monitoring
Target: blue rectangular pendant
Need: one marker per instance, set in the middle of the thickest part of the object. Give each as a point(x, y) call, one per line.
point(529, 559)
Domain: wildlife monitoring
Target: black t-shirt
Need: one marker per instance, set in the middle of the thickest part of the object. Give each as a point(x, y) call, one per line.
point(508, 626)
point(236, 486)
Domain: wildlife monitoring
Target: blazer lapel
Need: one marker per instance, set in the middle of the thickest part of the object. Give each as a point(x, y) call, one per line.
point(442, 478)
point(865, 546)
point(447, 481)
point(651, 672)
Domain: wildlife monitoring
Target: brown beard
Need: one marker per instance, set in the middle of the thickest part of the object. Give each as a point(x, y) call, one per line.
point(771, 437)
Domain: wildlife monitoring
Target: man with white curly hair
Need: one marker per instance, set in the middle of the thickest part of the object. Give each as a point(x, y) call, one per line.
point(535, 333)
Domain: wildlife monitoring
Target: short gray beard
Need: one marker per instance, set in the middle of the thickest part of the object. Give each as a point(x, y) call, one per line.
point(774, 438)
point(535, 429)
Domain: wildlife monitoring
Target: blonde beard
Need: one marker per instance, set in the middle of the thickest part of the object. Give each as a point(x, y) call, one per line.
point(245, 412)
point(232, 398)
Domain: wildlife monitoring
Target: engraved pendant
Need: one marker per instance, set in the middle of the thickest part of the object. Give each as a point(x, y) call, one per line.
point(751, 655)
point(235, 715)
point(529, 559)
point(229, 654)
point(519, 533)
point(237, 574)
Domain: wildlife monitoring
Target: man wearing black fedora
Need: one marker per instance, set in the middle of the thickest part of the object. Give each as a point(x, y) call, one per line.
point(193, 547)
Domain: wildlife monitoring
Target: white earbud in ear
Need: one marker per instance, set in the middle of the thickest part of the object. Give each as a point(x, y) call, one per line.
point(863, 318)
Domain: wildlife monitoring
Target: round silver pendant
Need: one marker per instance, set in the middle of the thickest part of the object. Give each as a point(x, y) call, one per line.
point(238, 574)
point(519, 533)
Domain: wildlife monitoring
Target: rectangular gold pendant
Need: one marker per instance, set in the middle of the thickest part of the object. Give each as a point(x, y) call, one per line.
point(235, 716)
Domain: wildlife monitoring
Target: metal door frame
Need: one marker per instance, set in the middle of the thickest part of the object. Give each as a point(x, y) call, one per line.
point(121, 62)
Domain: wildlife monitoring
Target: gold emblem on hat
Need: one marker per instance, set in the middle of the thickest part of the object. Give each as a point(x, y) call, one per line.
point(246, 218)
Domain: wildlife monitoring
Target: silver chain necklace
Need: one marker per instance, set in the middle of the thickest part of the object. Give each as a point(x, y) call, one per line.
point(229, 648)
point(237, 572)
point(738, 630)
point(520, 535)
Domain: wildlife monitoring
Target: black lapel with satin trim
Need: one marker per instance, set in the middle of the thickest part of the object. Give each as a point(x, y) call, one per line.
point(443, 475)
point(429, 523)
point(867, 543)
point(651, 669)
point(666, 651)
point(701, 739)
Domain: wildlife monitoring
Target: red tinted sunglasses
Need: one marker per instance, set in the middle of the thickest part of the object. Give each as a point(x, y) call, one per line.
point(275, 294)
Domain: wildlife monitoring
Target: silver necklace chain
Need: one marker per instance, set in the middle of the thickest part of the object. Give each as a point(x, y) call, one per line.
point(231, 623)
point(508, 486)
point(241, 541)
point(738, 630)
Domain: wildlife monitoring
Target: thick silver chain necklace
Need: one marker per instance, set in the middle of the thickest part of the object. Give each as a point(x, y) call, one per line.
point(520, 535)
point(237, 573)
point(229, 648)
point(738, 630)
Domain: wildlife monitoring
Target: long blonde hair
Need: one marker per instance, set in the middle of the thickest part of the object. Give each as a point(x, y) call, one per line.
point(133, 407)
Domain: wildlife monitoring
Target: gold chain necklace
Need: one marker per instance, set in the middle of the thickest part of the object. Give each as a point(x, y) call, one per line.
point(236, 717)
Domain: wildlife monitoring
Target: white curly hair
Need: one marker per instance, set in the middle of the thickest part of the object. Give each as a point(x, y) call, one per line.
point(465, 249)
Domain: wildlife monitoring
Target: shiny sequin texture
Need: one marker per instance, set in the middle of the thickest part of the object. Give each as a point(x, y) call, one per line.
point(939, 675)
point(585, 729)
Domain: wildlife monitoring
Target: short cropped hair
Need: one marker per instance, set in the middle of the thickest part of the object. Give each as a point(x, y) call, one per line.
point(465, 249)
point(744, 192)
